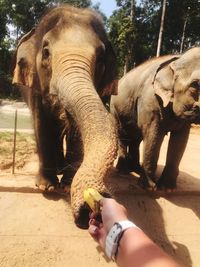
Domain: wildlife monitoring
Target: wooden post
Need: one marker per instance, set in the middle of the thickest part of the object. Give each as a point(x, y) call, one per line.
point(14, 142)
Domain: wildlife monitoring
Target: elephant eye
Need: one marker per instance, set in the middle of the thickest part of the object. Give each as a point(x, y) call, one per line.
point(22, 63)
point(196, 85)
point(45, 53)
point(100, 54)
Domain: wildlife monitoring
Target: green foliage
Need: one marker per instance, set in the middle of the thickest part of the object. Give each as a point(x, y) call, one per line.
point(5, 62)
point(122, 32)
point(178, 13)
point(77, 3)
point(25, 14)
point(22, 16)
point(3, 19)
point(133, 29)
point(136, 39)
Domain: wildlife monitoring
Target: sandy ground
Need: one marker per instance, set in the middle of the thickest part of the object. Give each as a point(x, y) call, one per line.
point(38, 230)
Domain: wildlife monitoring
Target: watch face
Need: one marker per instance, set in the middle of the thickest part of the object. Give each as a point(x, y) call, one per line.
point(117, 228)
point(112, 240)
point(114, 235)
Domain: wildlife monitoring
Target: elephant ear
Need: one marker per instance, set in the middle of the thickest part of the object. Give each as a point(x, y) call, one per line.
point(24, 62)
point(163, 81)
point(109, 82)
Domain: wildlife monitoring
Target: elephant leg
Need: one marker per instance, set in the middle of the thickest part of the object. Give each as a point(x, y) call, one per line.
point(176, 147)
point(46, 134)
point(128, 159)
point(151, 148)
point(60, 161)
point(133, 156)
point(122, 165)
point(74, 157)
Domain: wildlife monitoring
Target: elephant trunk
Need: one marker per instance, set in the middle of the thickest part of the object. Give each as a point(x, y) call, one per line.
point(78, 96)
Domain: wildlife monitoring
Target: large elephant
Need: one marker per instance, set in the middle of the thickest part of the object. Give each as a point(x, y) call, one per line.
point(157, 97)
point(66, 70)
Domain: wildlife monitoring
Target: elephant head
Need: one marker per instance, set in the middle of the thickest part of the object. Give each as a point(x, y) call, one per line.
point(68, 57)
point(178, 81)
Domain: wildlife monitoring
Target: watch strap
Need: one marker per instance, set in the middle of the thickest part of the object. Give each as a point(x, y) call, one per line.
point(114, 235)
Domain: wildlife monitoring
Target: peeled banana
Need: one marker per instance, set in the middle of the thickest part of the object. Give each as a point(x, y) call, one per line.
point(92, 197)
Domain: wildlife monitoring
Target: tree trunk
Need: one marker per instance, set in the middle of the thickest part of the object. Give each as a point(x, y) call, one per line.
point(161, 28)
point(184, 29)
point(132, 10)
point(126, 63)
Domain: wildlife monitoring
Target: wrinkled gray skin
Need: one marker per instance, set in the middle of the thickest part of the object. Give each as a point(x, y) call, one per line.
point(66, 71)
point(158, 97)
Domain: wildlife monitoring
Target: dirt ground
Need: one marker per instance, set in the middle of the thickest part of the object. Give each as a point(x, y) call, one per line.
point(38, 230)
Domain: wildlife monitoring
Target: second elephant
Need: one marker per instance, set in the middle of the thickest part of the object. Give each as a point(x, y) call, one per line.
point(160, 96)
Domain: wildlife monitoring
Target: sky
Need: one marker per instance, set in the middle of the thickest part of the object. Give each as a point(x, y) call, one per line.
point(107, 6)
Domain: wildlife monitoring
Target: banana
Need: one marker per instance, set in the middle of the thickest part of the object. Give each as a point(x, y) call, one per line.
point(92, 197)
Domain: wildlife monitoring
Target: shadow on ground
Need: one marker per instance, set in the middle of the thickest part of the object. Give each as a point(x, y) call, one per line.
point(162, 218)
point(149, 211)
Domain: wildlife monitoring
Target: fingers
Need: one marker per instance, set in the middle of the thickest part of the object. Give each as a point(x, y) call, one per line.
point(98, 234)
point(95, 222)
point(93, 230)
point(97, 231)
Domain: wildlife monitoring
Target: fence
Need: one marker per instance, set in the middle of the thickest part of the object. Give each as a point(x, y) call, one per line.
point(14, 118)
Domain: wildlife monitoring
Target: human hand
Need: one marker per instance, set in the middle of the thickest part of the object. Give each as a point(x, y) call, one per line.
point(111, 212)
point(136, 248)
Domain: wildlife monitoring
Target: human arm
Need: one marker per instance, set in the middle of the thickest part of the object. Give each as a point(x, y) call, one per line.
point(135, 248)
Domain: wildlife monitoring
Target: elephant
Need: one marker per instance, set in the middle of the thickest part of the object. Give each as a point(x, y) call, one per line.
point(158, 97)
point(66, 70)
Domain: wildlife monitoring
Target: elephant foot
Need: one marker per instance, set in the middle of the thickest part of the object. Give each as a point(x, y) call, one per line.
point(167, 181)
point(45, 184)
point(136, 168)
point(65, 183)
point(124, 166)
point(166, 184)
point(147, 184)
point(68, 174)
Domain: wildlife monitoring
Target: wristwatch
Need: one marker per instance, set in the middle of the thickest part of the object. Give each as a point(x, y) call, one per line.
point(114, 236)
